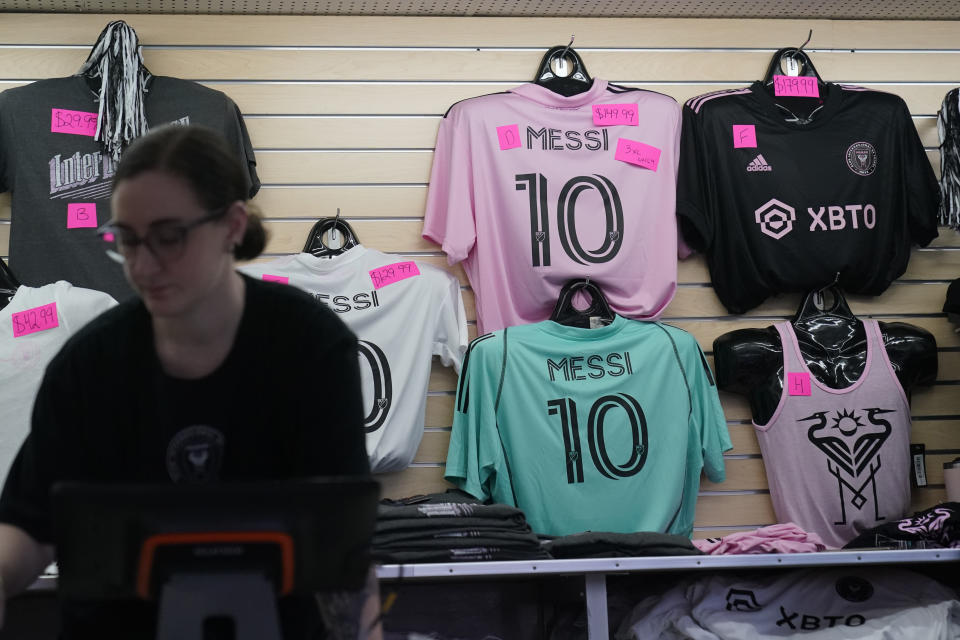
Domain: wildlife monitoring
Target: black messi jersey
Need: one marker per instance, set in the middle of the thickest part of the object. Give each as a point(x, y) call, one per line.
point(782, 206)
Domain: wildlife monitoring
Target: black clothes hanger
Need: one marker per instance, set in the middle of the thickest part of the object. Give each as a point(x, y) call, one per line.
point(814, 307)
point(565, 313)
point(797, 109)
point(8, 284)
point(315, 243)
point(577, 81)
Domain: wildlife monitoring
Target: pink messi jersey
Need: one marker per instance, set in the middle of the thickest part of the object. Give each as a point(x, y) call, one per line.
point(528, 192)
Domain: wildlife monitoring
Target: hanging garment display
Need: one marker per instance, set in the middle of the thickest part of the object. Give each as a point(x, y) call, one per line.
point(61, 177)
point(948, 130)
point(783, 197)
point(33, 327)
point(601, 429)
point(824, 603)
point(827, 393)
point(531, 188)
point(404, 313)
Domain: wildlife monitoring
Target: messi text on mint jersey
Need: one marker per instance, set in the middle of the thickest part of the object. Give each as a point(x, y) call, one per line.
point(560, 140)
point(344, 304)
point(592, 366)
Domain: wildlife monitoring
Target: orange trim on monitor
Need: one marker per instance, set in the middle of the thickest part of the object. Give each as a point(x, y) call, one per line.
point(147, 551)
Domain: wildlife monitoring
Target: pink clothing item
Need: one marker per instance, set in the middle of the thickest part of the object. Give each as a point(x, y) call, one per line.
point(838, 460)
point(526, 191)
point(777, 538)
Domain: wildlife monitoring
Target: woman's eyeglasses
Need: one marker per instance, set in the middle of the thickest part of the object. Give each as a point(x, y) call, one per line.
point(166, 239)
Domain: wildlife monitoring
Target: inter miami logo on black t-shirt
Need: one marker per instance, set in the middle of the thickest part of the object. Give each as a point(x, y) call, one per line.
point(195, 455)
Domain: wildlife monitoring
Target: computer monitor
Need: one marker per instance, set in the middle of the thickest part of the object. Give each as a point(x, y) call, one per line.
point(116, 542)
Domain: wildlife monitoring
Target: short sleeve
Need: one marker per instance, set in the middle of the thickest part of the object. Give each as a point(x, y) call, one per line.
point(450, 340)
point(694, 213)
point(920, 182)
point(449, 216)
point(706, 413)
point(475, 461)
point(236, 132)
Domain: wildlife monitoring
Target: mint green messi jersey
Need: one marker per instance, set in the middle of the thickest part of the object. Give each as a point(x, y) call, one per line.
point(589, 429)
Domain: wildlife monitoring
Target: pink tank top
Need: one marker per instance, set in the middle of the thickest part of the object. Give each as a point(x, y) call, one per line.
point(838, 460)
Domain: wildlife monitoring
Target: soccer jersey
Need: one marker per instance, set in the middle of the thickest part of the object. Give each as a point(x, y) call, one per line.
point(601, 429)
point(782, 206)
point(838, 460)
point(33, 327)
point(400, 326)
point(884, 603)
point(527, 191)
point(61, 178)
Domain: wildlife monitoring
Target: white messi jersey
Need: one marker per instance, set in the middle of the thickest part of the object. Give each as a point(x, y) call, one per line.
point(880, 603)
point(403, 313)
point(33, 327)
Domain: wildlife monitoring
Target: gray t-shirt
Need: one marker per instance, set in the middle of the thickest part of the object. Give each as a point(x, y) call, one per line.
point(61, 179)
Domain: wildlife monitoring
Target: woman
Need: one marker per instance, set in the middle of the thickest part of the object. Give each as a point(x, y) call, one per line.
point(208, 376)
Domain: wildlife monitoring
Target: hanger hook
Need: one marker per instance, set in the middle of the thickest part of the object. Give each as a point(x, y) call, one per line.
point(337, 219)
point(805, 42)
point(572, 38)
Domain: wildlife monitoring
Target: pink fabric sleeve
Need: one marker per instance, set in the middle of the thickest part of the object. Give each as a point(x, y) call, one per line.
point(449, 217)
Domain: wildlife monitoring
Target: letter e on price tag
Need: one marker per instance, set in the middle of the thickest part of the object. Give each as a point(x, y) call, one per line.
point(34, 320)
point(81, 214)
point(509, 136)
point(280, 279)
point(382, 276)
point(798, 384)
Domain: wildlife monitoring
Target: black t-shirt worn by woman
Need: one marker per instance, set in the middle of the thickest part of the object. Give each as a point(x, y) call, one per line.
point(285, 403)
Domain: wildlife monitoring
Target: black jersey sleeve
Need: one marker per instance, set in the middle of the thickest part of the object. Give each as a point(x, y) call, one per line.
point(922, 189)
point(694, 190)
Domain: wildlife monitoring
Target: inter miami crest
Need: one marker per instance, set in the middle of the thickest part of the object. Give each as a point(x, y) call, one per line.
point(852, 443)
point(862, 158)
point(195, 455)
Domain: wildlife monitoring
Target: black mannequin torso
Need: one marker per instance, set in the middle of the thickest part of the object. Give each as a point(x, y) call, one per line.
point(834, 347)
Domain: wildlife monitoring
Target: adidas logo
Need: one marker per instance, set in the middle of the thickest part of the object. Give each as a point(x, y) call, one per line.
point(759, 164)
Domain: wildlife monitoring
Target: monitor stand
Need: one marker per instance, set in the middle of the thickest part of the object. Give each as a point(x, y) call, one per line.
point(193, 605)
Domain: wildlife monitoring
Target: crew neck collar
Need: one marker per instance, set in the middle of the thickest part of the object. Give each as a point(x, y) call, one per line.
point(541, 95)
point(830, 103)
point(579, 333)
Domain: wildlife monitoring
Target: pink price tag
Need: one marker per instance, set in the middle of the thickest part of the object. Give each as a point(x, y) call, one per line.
point(280, 279)
point(81, 214)
point(796, 86)
point(80, 123)
point(34, 320)
point(638, 153)
point(607, 115)
point(744, 136)
point(509, 136)
point(798, 384)
point(391, 273)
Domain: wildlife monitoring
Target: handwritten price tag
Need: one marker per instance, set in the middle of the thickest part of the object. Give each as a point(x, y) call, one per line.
point(744, 136)
point(509, 136)
point(81, 214)
point(798, 384)
point(280, 279)
point(393, 273)
point(607, 115)
point(796, 86)
point(81, 123)
point(638, 153)
point(34, 320)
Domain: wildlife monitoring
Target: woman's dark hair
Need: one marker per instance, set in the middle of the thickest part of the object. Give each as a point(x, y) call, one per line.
point(202, 158)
